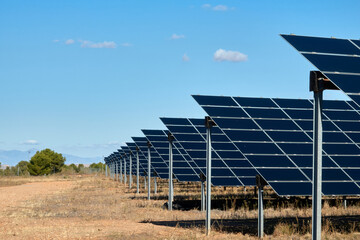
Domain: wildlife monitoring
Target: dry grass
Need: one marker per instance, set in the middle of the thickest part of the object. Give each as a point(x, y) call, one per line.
point(97, 208)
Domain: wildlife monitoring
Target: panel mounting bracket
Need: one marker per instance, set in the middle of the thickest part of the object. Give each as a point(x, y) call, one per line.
point(260, 181)
point(170, 137)
point(202, 177)
point(209, 122)
point(319, 82)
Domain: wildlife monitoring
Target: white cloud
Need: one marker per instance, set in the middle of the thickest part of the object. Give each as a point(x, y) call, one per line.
point(217, 7)
point(176, 36)
point(206, 5)
point(69, 41)
point(227, 55)
point(220, 8)
point(126, 45)
point(185, 58)
point(56, 40)
point(105, 44)
point(30, 142)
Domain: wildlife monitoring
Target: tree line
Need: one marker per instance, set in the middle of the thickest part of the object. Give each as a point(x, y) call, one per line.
point(46, 162)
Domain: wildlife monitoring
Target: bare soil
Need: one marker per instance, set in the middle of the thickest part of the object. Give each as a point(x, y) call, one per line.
point(95, 207)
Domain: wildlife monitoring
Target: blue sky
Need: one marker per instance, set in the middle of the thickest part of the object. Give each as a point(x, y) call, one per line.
point(82, 77)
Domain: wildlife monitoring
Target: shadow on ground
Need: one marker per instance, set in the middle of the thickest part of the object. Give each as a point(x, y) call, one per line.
point(249, 226)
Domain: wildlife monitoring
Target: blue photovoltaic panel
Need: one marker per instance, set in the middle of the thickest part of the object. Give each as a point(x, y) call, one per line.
point(183, 168)
point(337, 59)
point(126, 157)
point(158, 166)
point(229, 167)
point(132, 147)
point(129, 152)
point(158, 163)
point(275, 135)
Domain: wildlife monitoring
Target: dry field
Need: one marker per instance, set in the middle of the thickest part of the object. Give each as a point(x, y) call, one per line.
point(95, 207)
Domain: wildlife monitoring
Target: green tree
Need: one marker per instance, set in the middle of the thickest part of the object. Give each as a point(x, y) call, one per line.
point(8, 172)
point(23, 167)
point(46, 162)
point(73, 166)
point(99, 165)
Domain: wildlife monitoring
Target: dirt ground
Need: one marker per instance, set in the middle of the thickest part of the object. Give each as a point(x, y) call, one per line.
point(95, 207)
point(28, 211)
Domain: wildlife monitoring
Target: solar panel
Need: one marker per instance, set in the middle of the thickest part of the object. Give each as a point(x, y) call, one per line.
point(128, 152)
point(158, 166)
point(275, 135)
point(229, 167)
point(132, 147)
point(337, 59)
point(182, 169)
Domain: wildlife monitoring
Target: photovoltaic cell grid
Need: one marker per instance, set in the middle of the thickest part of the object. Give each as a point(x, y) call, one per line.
point(337, 59)
point(184, 168)
point(128, 152)
point(120, 155)
point(229, 166)
point(158, 166)
point(132, 147)
point(275, 135)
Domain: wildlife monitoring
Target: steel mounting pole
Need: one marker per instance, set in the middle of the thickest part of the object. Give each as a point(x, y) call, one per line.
point(149, 169)
point(318, 83)
point(155, 184)
point(145, 185)
point(317, 166)
point(121, 171)
point(260, 212)
point(130, 170)
point(125, 178)
point(202, 195)
point(106, 170)
point(208, 124)
point(137, 170)
point(171, 186)
point(260, 183)
point(112, 170)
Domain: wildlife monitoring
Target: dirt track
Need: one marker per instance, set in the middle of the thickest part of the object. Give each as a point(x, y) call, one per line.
point(15, 195)
point(21, 218)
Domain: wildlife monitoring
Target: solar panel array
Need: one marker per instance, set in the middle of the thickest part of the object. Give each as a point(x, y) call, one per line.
point(229, 167)
point(275, 135)
point(158, 166)
point(132, 147)
point(268, 136)
point(337, 59)
point(184, 167)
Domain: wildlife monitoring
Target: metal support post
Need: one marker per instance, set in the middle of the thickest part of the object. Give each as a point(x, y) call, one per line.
point(344, 202)
point(260, 213)
point(137, 170)
point(106, 171)
point(260, 182)
point(208, 124)
point(145, 181)
point(318, 83)
point(202, 196)
point(112, 170)
point(203, 180)
point(125, 170)
point(121, 172)
point(171, 186)
point(317, 166)
point(149, 169)
point(116, 171)
point(155, 185)
point(130, 170)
